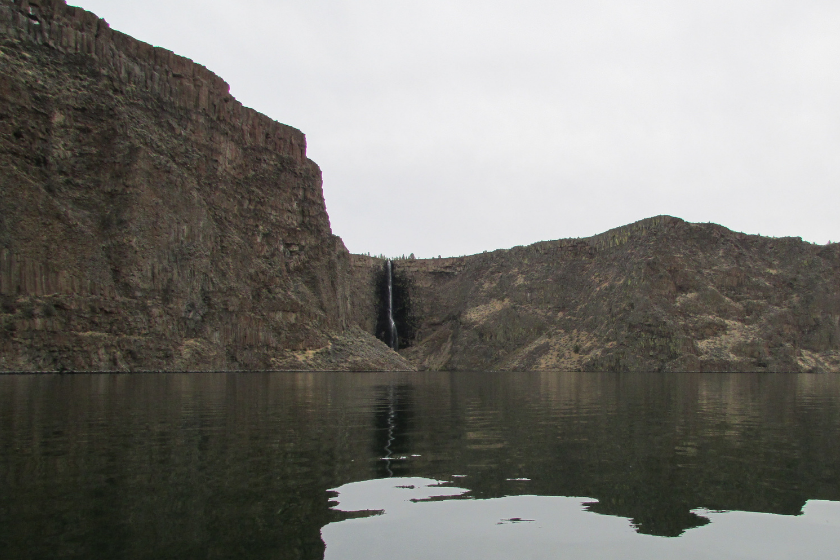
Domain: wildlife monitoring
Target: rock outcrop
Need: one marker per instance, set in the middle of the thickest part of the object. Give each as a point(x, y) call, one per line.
point(150, 221)
point(658, 295)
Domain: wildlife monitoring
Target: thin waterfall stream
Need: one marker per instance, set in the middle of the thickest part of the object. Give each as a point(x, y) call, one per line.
point(393, 340)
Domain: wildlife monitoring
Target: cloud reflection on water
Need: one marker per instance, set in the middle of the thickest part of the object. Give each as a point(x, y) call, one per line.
point(425, 518)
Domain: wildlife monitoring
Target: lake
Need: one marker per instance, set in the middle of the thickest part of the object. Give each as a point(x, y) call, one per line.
point(421, 465)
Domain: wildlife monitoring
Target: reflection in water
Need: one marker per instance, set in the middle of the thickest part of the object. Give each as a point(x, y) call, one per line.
point(239, 465)
point(392, 426)
point(415, 523)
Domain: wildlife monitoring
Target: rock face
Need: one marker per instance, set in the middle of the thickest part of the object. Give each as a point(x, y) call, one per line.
point(658, 295)
point(150, 221)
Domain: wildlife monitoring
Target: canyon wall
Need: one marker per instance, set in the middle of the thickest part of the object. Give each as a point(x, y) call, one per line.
point(657, 295)
point(150, 221)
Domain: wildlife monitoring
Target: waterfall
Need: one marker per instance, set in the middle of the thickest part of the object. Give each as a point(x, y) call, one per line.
point(393, 341)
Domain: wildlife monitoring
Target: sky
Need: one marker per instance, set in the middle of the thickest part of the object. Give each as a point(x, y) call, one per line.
point(450, 127)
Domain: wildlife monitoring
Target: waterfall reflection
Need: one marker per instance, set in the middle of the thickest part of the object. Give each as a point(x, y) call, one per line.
point(392, 417)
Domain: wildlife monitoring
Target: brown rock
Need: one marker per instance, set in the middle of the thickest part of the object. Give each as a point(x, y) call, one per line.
point(150, 221)
point(657, 295)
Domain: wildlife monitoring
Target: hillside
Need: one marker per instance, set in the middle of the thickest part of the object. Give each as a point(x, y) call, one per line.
point(658, 295)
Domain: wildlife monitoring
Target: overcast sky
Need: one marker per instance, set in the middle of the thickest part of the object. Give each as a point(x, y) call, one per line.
point(452, 127)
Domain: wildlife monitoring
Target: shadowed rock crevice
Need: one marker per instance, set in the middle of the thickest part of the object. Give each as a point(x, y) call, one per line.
point(403, 311)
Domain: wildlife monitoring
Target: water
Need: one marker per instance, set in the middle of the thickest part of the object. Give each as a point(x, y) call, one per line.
point(429, 465)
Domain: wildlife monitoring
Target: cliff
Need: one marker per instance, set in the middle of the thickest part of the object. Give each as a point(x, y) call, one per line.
point(658, 295)
point(150, 221)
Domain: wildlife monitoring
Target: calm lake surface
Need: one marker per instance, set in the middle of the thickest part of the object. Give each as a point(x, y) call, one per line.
point(427, 465)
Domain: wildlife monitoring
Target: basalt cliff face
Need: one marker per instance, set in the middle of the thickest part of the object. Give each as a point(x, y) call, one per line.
point(658, 295)
point(150, 221)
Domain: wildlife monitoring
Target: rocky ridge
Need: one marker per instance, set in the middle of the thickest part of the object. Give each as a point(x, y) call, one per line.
point(152, 222)
point(661, 294)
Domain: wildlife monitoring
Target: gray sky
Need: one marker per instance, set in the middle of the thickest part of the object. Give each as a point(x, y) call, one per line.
point(452, 127)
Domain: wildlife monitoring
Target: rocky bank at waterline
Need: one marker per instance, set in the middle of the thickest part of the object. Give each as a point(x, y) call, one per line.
point(151, 222)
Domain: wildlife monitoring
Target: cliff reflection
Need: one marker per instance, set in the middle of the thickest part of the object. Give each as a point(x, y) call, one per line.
point(649, 447)
point(191, 466)
point(425, 518)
